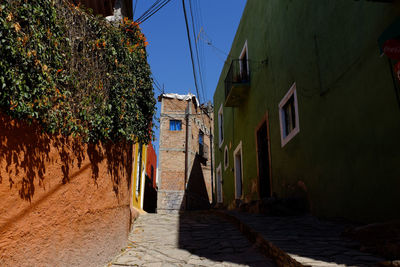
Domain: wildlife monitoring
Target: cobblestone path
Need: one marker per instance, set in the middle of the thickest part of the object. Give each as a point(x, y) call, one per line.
point(191, 239)
point(309, 240)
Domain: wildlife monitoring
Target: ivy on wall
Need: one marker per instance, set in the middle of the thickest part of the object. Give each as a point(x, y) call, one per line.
point(73, 72)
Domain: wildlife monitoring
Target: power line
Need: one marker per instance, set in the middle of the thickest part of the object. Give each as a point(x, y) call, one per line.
point(149, 10)
point(190, 48)
point(197, 52)
point(154, 8)
point(134, 9)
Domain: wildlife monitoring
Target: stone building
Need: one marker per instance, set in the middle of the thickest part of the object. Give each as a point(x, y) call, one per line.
point(185, 161)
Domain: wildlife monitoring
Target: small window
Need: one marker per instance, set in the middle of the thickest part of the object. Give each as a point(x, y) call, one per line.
point(175, 125)
point(221, 125)
point(226, 158)
point(289, 116)
point(201, 143)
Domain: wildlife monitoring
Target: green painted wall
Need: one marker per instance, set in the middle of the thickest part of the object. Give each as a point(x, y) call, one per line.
point(348, 149)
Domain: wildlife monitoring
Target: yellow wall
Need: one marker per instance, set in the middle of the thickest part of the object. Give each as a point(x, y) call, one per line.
point(137, 196)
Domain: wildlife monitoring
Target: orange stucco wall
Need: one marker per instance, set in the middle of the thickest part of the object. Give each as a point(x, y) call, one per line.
point(151, 162)
point(62, 203)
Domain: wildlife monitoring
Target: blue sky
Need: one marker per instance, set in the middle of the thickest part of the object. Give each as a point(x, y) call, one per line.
point(168, 49)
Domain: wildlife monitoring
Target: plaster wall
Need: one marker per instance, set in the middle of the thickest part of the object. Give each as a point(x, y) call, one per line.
point(63, 203)
point(346, 153)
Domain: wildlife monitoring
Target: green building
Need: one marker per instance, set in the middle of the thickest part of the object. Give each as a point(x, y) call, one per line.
point(308, 104)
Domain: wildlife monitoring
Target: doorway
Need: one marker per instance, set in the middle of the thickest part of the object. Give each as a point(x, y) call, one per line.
point(263, 159)
point(238, 162)
point(219, 185)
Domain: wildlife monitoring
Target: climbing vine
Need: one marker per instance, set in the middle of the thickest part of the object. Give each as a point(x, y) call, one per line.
point(74, 72)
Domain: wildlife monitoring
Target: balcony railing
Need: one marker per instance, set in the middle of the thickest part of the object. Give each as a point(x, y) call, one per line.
point(237, 82)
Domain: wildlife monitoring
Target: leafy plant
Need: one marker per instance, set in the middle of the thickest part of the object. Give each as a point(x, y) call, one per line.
point(73, 72)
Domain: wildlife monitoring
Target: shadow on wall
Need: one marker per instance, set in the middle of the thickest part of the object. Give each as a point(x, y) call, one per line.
point(26, 152)
point(150, 196)
point(196, 196)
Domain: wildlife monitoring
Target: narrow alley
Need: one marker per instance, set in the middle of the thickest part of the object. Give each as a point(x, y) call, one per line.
point(189, 239)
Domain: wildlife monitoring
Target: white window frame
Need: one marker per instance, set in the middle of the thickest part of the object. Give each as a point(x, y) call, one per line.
point(219, 184)
point(239, 147)
point(245, 50)
point(221, 126)
point(226, 160)
point(296, 130)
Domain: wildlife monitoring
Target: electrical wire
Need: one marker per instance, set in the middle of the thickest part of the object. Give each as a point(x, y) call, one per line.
point(190, 48)
point(134, 9)
point(197, 52)
point(154, 8)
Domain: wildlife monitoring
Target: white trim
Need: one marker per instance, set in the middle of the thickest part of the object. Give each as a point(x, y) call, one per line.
point(138, 164)
point(221, 126)
point(238, 148)
point(296, 130)
point(226, 152)
point(245, 50)
point(219, 184)
point(142, 180)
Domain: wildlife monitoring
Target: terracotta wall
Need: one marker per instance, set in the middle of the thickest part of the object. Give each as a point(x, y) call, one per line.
point(62, 203)
point(151, 162)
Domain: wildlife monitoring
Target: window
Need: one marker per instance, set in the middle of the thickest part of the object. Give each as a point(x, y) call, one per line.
point(226, 158)
point(244, 64)
point(201, 143)
point(175, 125)
point(289, 116)
point(221, 125)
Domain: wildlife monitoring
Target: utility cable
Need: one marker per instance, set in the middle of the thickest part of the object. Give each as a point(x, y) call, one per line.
point(152, 10)
point(166, 2)
point(134, 9)
point(190, 48)
point(197, 52)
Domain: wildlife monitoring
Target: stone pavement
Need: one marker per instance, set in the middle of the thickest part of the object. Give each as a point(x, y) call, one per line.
point(189, 239)
point(302, 240)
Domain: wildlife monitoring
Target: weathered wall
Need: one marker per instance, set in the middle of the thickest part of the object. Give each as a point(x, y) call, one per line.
point(346, 152)
point(62, 203)
point(172, 155)
point(151, 162)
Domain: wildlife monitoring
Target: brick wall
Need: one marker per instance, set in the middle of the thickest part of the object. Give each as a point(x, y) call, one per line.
point(172, 154)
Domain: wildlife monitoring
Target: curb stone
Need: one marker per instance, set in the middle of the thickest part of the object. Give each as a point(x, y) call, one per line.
point(280, 257)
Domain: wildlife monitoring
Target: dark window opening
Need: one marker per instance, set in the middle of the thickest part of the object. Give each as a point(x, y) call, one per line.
point(289, 116)
point(201, 143)
point(226, 158)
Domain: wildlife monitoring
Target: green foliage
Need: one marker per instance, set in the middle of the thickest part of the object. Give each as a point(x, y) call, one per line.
point(74, 73)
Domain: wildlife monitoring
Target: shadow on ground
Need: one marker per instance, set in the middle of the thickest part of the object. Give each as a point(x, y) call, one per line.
point(209, 236)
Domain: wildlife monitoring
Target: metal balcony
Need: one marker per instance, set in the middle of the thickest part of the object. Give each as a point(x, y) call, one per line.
point(237, 83)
